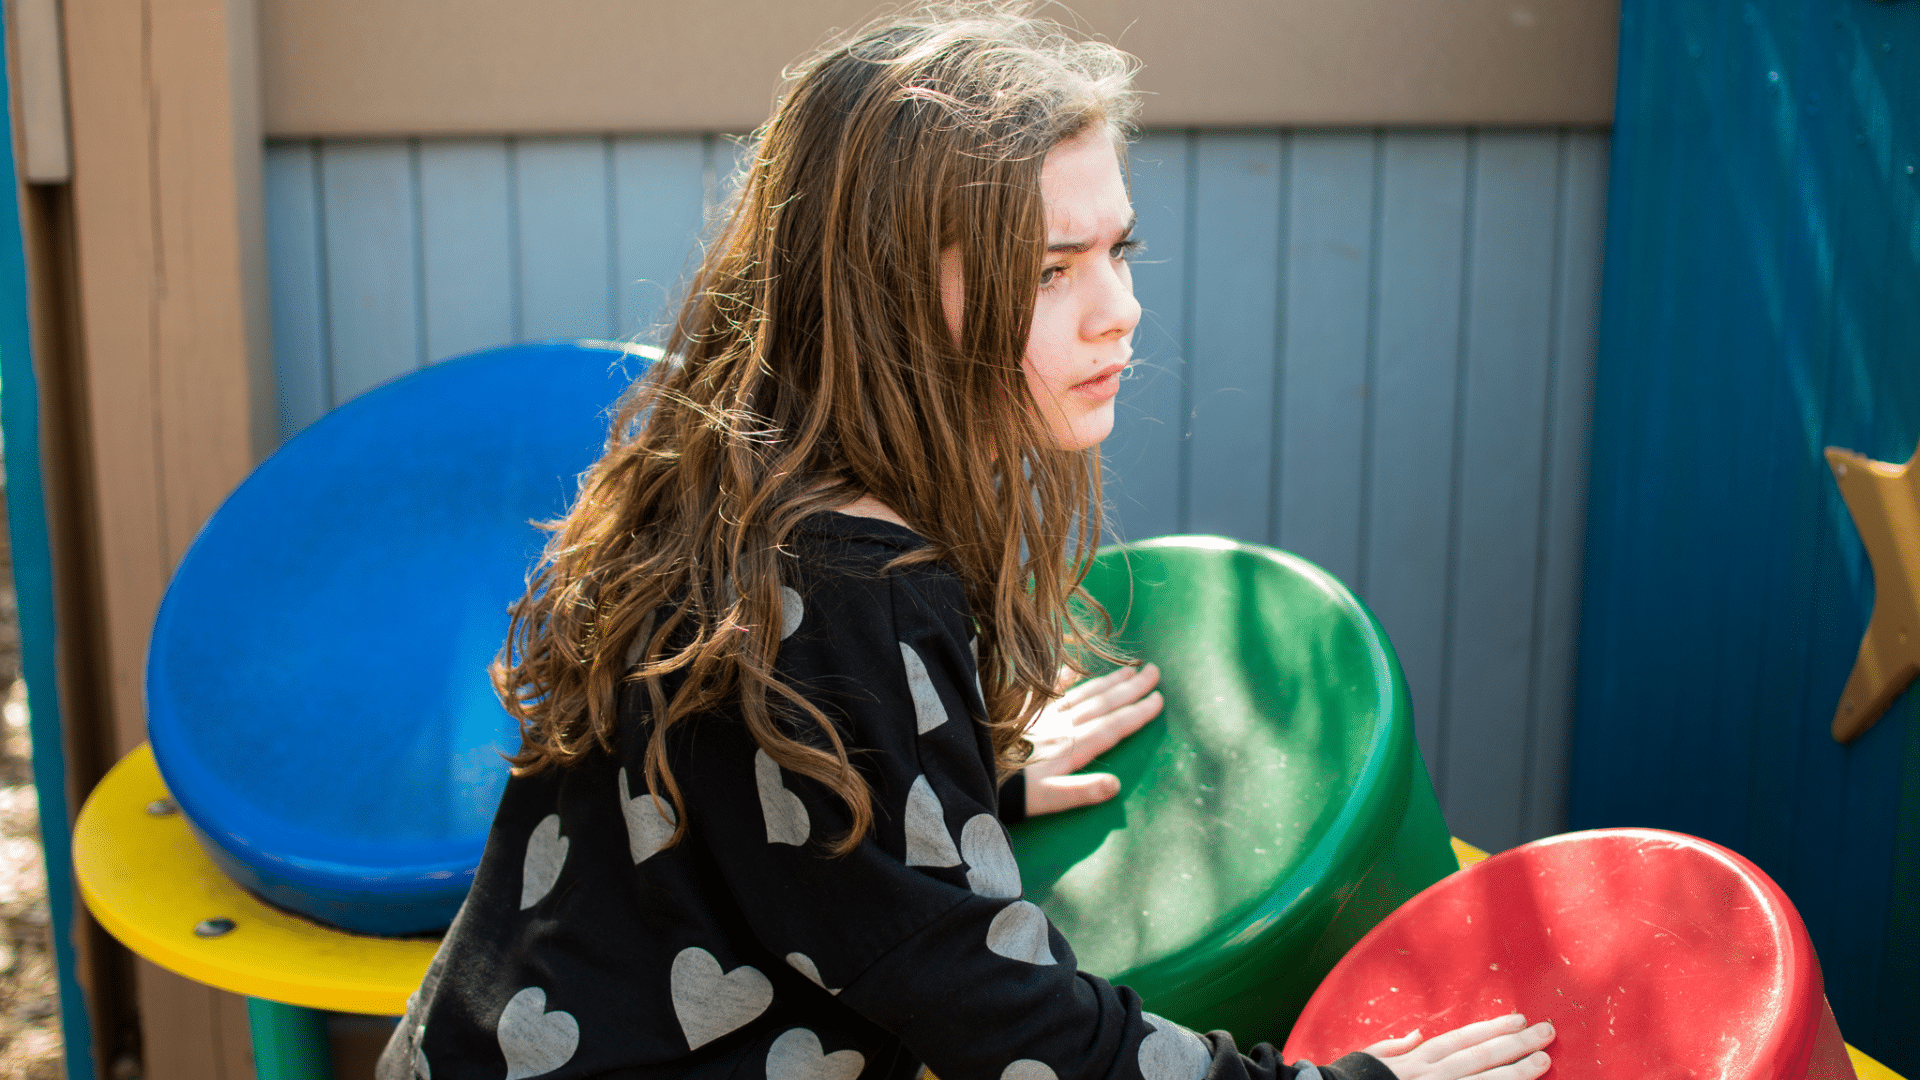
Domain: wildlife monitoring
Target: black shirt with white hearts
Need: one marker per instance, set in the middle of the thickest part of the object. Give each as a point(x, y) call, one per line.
point(586, 949)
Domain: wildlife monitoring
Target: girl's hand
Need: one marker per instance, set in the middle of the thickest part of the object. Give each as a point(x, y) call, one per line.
point(1503, 1048)
point(1080, 725)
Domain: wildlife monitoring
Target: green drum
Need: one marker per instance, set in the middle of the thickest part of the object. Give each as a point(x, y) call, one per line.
point(1275, 812)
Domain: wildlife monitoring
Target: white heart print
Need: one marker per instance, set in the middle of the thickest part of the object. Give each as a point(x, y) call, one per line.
point(710, 1003)
point(804, 964)
point(979, 692)
point(1019, 932)
point(796, 1055)
point(649, 822)
point(928, 841)
point(786, 815)
point(928, 712)
point(792, 612)
point(1028, 1069)
point(991, 870)
point(1171, 1052)
point(533, 1040)
point(546, 854)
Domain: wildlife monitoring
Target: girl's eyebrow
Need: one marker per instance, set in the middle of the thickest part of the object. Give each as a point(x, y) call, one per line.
point(1076, 247)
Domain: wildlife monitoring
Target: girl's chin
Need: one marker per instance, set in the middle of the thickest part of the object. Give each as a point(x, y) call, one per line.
point(1089, 429)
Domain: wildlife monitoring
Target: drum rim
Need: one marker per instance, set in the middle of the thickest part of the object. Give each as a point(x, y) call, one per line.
point(1792, 1042)
point(1360, 834)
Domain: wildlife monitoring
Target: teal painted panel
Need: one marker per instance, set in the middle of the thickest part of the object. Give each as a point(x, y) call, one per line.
point(1146, 454)
point(1237, 237)
point(297, 284)
point(1763, 256)
point(1325, 368)
point(369, 198)
point(466, 247)
point(1412, 452)
point(563, 203)
point(659, 203)
point(1576, 318)
point(32, 556)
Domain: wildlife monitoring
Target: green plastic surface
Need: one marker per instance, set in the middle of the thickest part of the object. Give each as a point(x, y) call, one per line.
point(1275, 812)
point(289, 1042)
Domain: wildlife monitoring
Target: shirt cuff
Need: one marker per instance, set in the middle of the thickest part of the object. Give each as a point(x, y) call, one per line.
point(1358, 1066)
point(1013, 799)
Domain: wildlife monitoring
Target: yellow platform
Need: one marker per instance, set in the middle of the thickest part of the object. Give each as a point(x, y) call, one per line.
point(146, 879)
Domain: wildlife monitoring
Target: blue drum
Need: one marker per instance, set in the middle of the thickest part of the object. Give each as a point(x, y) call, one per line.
point(317, 690)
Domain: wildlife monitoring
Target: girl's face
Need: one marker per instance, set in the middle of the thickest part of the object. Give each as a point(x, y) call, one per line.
point(1084, 316)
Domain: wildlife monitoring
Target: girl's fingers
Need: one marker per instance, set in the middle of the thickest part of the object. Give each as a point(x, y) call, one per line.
point(1096, 737)
point(1386, 1048)
point(1497, 1052)
point(1460, 1038)
point(1075, 697)
point(1122, 686)
point(1052, 794)
point(1525, 1069)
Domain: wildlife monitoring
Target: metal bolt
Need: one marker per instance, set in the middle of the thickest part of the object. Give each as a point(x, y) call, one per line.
point(211, 928)
point(163, 807)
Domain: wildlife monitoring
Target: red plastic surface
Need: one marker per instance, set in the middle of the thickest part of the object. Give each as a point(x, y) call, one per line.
point(1655, 955)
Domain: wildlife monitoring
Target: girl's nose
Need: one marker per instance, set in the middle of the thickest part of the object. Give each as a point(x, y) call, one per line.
point(1113, 312)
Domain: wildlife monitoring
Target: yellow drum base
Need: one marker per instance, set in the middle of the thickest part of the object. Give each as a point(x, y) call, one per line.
point(144, 876)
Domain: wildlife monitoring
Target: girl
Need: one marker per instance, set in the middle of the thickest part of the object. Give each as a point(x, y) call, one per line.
point(781, 653)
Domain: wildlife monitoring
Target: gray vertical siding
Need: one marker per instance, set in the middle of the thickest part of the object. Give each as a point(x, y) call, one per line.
point(1372, 348)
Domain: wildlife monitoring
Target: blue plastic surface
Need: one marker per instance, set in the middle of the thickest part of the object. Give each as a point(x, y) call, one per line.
point(317, 688)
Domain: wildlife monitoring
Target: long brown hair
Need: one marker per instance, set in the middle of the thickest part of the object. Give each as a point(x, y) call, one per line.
point(813, 364)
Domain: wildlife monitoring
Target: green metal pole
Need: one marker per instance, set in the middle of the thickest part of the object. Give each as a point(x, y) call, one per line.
point(289, 1042)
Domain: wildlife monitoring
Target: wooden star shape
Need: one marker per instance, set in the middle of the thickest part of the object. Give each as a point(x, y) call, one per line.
point(1885, 501)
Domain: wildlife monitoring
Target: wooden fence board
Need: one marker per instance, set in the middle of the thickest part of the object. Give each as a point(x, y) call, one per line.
point(297, 283)
point(659, 193)
point(1582, 211)
point(1325, 347)
point(563, 201)
point(1417, 363)
point(1236, 287)
point(1511, 283)
point(369, 206)
point(1143, 457)
point(466, 246)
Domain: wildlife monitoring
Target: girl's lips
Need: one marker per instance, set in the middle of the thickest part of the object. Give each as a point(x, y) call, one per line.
point(1101, 387)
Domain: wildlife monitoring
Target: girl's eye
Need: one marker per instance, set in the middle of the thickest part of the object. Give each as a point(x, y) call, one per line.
point(1128, 249)
point(1048, 275)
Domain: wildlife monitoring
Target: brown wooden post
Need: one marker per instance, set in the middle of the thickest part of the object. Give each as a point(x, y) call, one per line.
point(174, 363)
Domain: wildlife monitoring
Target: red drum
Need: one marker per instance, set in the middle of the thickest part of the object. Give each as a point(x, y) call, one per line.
point(1656, 955)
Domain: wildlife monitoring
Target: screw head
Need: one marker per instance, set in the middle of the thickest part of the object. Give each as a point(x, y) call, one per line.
point(163, 807)
point(212, 928)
